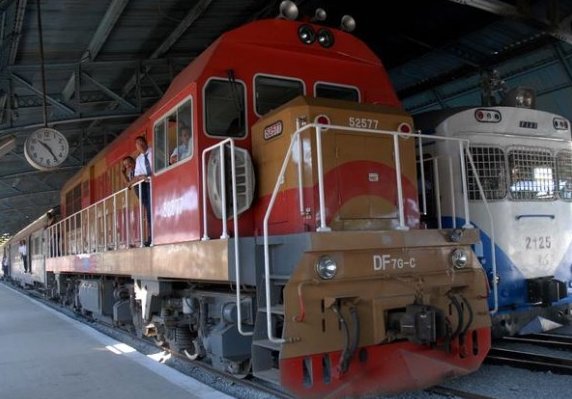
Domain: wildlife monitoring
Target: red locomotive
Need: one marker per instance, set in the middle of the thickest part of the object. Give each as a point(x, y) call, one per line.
point(285, 239)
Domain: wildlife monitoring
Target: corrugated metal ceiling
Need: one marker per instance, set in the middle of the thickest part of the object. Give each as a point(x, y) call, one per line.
point(97, 52)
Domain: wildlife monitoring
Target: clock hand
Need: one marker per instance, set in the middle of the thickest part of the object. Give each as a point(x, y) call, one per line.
point(49, 149)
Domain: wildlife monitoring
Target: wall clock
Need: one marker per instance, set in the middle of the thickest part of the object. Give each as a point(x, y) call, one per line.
point(46, 149)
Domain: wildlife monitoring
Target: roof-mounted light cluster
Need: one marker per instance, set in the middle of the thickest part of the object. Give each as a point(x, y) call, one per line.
point(560, 123)
point(488, 115)
point(348, 23)
point(306, 33)
point(288, 10)
point(323, 36)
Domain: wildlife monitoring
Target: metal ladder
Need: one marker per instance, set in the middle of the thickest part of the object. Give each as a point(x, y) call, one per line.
point(266, 352)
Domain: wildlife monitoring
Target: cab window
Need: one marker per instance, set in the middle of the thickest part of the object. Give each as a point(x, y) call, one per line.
point(271, 92)
point(225, 111)
point(173, 136)
point(336, 92)
point(490, 167)
point(532, 174)
point(160, 144)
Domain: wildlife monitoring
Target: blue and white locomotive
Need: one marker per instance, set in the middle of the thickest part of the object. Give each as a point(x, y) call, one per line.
point(523, 160)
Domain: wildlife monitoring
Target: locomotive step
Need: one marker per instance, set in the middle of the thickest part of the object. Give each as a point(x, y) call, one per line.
point(275, 309)
point(280, 278)
point(271, 375)
point(266, 343)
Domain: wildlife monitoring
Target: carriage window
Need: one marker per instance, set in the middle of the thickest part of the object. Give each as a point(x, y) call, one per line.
point(532, 174)
point(73, 200)
point(270, 93)
point(337, 92)
point(564, 164)
point(225, 109)
point(490, 168)
point(36, 246)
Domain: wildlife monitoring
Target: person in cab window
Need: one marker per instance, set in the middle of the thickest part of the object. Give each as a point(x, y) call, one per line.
point(184, 149)
point(128, 169)
point(143, 170)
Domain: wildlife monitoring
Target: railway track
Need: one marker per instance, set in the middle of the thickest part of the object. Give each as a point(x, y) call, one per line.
point(555, 341)
point(529, 360)
point(457, 393)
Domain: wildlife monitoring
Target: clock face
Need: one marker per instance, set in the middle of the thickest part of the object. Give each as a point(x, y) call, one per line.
point(46, 149)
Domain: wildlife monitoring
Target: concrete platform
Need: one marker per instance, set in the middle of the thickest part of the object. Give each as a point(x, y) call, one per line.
point(44, 354)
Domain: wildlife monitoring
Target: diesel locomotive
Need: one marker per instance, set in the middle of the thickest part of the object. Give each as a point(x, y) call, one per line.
point(287, 245)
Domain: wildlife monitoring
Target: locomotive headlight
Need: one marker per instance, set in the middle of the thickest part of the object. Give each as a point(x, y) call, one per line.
point(306, 34)
point(459, 258)
point(325, 38)
point(326, 267)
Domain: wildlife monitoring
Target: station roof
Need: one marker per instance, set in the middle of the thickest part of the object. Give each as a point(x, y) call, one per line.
point(108, 61)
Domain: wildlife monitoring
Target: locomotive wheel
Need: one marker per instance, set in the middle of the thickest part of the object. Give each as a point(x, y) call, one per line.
point(137, 318)
point(180, 339)
point(240, 369)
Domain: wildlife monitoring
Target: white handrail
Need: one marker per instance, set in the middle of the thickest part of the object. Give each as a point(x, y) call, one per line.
point(452, 193)
point(464, 188)
point(402, 225)
point(466, 151)
point(322, 211)
point(221, 145)
point(422, 170)
point(63, 229)
point(437, 191)
point(300, 172)
point(271, 337)
point(492, 234)
point(142, 243)
point(322, 196)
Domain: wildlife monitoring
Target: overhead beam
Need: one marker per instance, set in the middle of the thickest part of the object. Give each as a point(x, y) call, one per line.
point(50, 99)
point(563, 61)
point(193, 14)
point(98, 39)
point(514, 74)
point(98, 65)
point(35, 172)
point(444, 49)
point(11, 187)
point(7, 144)
point(107, 91)
point(17, 31)
point(104, 29)
point(467, 70)
point(10, 197)
point(22, 129)
point(189, 19)
point(560, 30)
point(493, 6)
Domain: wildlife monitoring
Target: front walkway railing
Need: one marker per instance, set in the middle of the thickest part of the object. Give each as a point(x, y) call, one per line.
point(115, 222)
